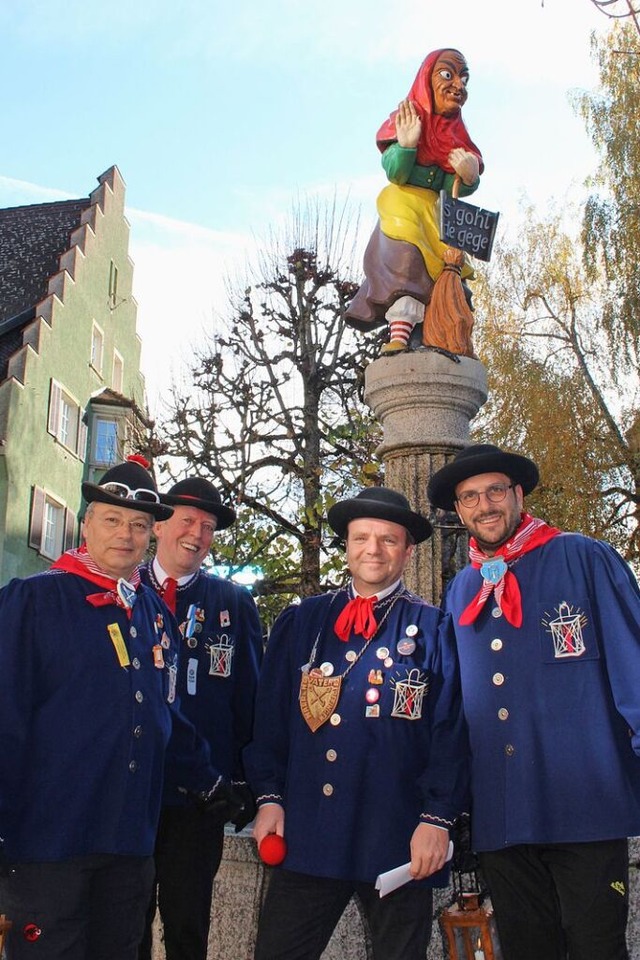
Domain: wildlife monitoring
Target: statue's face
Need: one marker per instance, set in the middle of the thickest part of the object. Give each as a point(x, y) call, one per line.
point(449, 83)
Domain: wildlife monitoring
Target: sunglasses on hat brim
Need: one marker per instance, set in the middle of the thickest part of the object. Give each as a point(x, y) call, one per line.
point(122, 490)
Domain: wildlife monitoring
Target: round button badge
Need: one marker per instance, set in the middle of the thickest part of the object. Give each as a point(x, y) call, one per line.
point(406, 648)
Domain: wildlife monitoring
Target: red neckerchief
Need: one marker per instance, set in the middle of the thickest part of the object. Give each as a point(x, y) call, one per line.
point(530, 534)
point(357, 616)
point(168, 592)
point(79, 562)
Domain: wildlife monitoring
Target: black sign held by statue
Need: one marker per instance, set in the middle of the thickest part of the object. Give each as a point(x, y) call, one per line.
point(466, 227)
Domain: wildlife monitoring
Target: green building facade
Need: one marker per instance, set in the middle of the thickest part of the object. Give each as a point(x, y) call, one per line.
point(71, 392)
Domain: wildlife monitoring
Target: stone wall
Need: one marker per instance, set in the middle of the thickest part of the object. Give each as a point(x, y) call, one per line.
point(241, 883)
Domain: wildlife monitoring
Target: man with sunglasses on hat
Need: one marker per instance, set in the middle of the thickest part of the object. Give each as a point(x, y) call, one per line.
point(359, 756)
point(548, 634)
point(88, 714)
point(221, 650)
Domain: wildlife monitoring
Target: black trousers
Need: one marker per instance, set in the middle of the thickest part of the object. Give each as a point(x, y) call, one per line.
point(89, 908)
point(187, 856)
point(560, 901)
point(300, 913)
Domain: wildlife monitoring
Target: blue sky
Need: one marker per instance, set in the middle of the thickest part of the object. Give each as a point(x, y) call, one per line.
point(220, 115)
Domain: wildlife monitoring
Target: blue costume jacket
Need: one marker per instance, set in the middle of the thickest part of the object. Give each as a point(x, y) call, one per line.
point(553, 707)
point(84, 738)
point(356, 789)
point(221, 650)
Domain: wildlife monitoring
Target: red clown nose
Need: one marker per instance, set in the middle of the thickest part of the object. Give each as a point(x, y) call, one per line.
point(272, 849)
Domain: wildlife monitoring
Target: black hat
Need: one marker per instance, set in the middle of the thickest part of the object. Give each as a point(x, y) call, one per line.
point(479, 458)
point(381, 504)
point(128, 485)
point(199, 493)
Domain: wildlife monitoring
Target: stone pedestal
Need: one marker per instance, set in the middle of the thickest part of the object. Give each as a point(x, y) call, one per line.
point(424, 402)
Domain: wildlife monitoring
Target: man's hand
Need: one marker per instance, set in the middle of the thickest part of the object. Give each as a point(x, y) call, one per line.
point(408, 124)
point(465, 164)
point(429, 846)
point(269, 819)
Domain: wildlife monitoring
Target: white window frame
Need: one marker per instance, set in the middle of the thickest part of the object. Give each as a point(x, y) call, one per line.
point(50, 541)
point(97, 347)
point(118, 365)
point(113, 285)
point(66, 420)
point(95, 459)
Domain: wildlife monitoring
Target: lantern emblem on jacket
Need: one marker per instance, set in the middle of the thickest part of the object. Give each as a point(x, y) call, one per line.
point(566, 630)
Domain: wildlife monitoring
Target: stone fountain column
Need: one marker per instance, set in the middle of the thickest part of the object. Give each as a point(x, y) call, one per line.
point(424, 401)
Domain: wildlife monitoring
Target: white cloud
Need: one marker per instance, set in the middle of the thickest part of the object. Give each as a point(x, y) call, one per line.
point(18, 193)
point(180, 271)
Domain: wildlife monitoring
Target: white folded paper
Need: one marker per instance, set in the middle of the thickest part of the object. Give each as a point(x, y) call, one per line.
point(392, 879)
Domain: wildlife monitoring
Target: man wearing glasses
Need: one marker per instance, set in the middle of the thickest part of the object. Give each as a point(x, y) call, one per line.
point(548, 633)
point(88, 712)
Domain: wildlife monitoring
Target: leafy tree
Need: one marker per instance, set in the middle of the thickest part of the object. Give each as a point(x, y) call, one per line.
point(562, 331)
point(612, 213)
point(274, 413)
point(557, 390)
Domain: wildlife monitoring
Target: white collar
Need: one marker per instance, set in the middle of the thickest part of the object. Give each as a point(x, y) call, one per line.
point(161, 575)
point(381, 593)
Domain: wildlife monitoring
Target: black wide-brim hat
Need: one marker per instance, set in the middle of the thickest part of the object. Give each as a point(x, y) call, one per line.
point(380, 503)
point(198, 492)
point(138, 490)
point(475, 459)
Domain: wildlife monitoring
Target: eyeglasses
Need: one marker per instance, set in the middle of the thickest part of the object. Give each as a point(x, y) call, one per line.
point(126, 493)
point(494, 494)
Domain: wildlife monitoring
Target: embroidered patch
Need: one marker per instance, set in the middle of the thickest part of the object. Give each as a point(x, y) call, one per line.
point(619, 887)
point(566, 630)
point(409, 694)
point(221, 653)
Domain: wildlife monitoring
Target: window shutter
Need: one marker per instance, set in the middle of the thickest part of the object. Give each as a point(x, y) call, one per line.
point(69, 529)
point(82, 438)
point(54, 408)
point(37, 514)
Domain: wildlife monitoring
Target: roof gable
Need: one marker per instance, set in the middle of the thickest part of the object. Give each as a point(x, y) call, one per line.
point(32, 240)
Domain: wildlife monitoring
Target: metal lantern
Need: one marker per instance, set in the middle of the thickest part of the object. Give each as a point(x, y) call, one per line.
point(468, 924)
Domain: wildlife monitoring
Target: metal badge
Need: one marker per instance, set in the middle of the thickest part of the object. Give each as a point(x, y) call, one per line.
point(406, 648)
point(192, 676)
point(158, 658)
point(493, 570)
